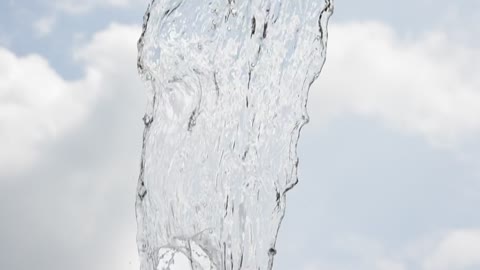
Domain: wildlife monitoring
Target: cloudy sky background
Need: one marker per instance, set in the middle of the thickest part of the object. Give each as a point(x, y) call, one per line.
point(390, 161)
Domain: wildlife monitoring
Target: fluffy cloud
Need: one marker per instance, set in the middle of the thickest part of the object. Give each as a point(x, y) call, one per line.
point(459, 249)
point(427, 85)
point(37, 106)
point(70, 152)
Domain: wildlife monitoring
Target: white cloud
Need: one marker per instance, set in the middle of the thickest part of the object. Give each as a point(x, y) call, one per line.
point(38, 106)
point(427, 86)
point(459, 249)
point(113, 52)
point(44, 25)
point(71, 148)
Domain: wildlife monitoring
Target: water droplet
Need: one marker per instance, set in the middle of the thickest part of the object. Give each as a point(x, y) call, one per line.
point(147, 119)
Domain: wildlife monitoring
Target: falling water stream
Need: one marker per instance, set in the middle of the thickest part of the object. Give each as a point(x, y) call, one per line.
point(227, 83)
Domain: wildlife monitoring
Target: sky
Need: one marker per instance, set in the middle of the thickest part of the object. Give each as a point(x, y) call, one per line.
point(389, 163)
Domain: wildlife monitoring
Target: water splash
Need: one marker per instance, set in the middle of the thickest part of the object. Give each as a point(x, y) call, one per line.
point(228, 84)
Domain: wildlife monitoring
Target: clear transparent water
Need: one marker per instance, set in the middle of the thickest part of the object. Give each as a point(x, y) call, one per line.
point(228, 84)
